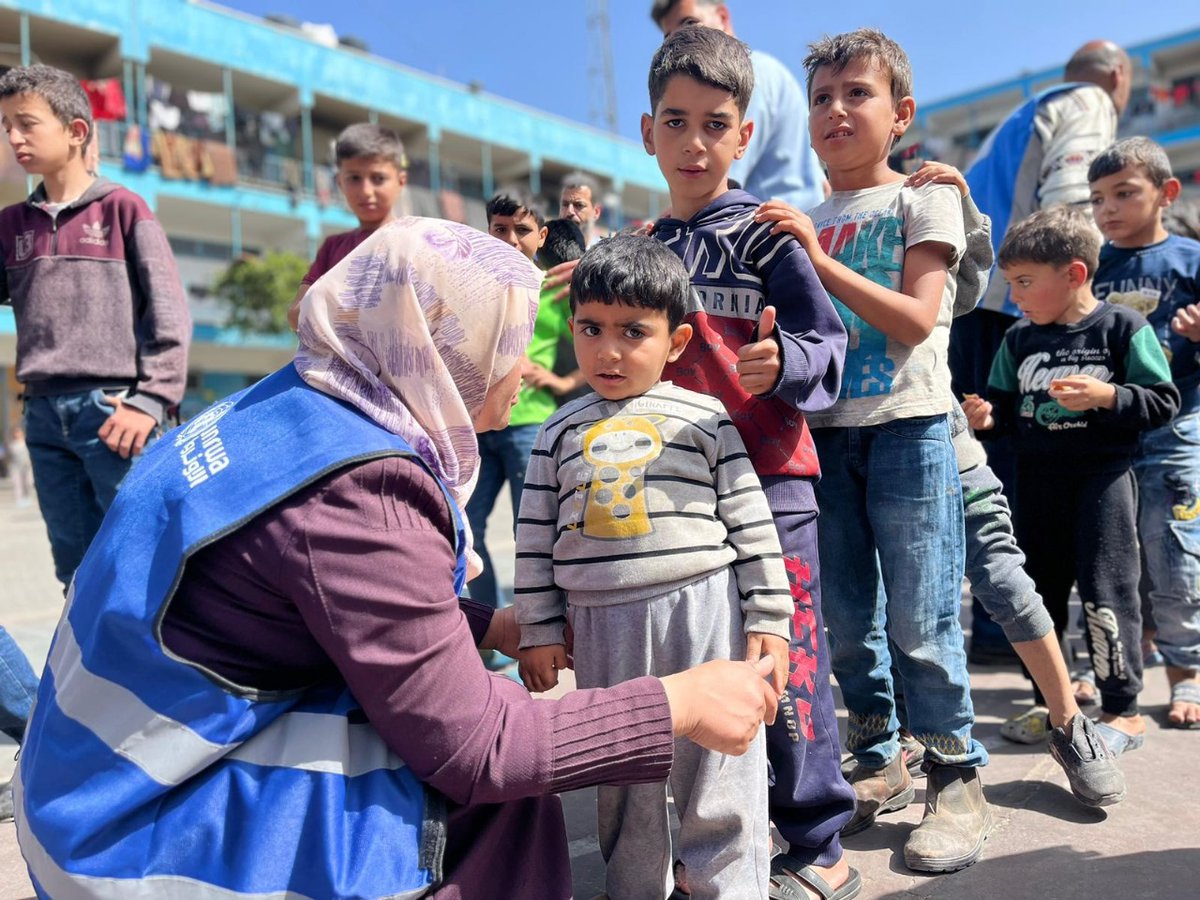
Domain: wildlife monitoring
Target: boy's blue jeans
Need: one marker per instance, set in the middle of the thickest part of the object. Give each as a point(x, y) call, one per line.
point(503, 456)
point(75, 473)
point(1168, 475)
point(891, 508)
point(18, 686)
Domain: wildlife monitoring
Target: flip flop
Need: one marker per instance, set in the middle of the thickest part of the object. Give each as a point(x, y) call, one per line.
point(789, 878)
point(1185, 692)
point(1117, 741)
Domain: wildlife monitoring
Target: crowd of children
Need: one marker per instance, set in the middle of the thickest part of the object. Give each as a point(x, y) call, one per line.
point(768, 455)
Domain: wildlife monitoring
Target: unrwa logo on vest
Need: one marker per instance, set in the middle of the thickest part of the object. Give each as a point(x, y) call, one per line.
point(202, 422)
point(201, 450)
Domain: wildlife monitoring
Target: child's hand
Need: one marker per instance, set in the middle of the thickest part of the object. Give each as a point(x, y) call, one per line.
point(560, 277)
point(539, 666)
point(126, 430)
point(759, 363)
point(789, 219)
point(760, 645)
point(1187, 322)
point(1082, 392)
point(978, 412)
point(539, 376)
point(938, 173)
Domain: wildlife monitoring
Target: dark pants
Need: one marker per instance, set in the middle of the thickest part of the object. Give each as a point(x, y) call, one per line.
point(974, 341)
point(1081, 528)
point(506, 850)
point(809, 798)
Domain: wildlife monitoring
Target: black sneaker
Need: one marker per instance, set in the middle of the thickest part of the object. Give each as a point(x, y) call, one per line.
point(1091, 767)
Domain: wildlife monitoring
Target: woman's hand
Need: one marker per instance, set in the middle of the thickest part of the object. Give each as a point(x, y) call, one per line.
point(503, 634)
point(721, 704)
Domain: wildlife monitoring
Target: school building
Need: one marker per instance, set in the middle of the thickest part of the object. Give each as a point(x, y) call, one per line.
point(1164, 105)
point(225, 122)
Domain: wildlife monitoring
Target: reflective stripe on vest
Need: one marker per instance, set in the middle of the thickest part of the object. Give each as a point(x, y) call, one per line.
point(144, 776)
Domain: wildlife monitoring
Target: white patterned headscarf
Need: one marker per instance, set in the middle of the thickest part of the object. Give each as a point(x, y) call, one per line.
point(414, 327)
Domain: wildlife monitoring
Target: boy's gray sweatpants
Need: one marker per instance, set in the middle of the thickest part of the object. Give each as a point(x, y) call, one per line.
point(995, 565)
point(721, 800)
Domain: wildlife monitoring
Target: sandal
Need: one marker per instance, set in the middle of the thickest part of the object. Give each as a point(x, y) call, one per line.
point(1116, 740)
point(1029, 727)
point(790, 877)
point(1184, 692)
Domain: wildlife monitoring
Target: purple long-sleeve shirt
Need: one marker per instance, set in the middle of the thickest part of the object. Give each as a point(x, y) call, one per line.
point(351, 579)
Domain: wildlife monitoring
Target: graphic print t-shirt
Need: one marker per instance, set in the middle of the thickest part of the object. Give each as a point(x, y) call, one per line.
point(869, 231)
point(1157, 281)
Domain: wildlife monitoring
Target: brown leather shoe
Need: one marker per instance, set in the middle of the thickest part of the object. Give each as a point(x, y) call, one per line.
point(957, 822)
point(877, 791)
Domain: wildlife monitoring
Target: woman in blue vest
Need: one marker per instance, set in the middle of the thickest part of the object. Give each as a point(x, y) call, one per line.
point(265, 684)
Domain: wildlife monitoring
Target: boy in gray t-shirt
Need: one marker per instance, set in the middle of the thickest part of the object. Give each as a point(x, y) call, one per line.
point(889, 489)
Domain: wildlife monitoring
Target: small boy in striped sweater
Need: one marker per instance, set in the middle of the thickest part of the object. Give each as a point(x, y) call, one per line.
point(642, 513)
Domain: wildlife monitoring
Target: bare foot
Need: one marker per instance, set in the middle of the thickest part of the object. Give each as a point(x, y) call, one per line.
point(1083, 691)
point(1183, 713)
point(1131, 725)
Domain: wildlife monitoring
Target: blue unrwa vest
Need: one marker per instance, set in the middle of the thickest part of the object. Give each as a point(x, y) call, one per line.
point(992, 176)
point(143, 776)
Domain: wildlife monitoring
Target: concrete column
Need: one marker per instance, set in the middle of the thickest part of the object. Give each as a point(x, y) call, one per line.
point(230, 119)
point(489, 183)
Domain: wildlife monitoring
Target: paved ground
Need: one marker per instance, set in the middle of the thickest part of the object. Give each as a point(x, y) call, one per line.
point(1045, 845)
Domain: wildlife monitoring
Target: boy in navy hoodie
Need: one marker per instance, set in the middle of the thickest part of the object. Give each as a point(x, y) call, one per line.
point(102, 321)
point(769, 344)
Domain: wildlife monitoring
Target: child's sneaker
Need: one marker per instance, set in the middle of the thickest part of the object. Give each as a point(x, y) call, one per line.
point(1029, 727)
point(1091, 767)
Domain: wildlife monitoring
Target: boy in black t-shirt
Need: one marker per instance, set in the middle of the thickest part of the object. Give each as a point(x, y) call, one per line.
point(1076, 382)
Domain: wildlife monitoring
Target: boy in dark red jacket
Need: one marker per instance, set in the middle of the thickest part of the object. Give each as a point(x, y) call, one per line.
point(102, 320)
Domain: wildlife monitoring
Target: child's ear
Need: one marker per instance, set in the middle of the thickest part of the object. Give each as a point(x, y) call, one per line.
point(78, 131)
point(402, 176)
point(906, 111)
point(542, 237)
point(1077, 273)
point(1170, 191)
point(744, 135)
point(648, 132)
point(679, 341)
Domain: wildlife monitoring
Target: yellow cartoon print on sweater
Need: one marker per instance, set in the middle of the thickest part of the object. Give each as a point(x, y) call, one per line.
point(619, 448)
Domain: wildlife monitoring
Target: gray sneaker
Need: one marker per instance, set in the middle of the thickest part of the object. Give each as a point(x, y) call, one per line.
point(1090, 766)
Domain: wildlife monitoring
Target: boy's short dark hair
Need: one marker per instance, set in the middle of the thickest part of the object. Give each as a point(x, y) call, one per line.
point(707, 55)
point(511, 201)
point(564, 242)
point(840, 50)
point(633, 270)
point(1134, 151)
point(61, 90)
point(366, 139)
point(1055, 237)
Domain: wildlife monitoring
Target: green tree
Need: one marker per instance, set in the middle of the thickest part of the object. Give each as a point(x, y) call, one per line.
point(259, 289)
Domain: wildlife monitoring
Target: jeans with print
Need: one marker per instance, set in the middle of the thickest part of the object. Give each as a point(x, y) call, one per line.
point(1168, 478)
point(891, 509)
point(75, 473)
point(18, 685)
point(503, 456)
